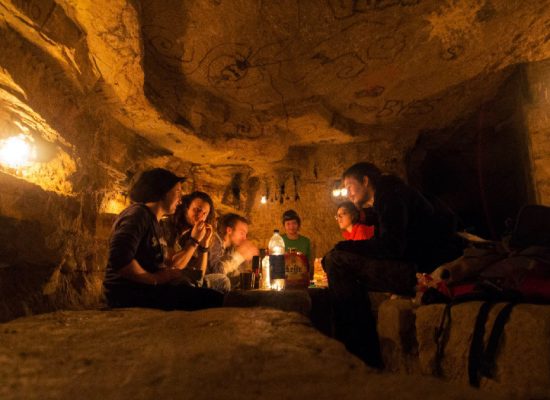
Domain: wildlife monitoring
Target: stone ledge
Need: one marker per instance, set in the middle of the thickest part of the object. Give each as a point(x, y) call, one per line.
point(212, 354)
point(522, 363)
point(396, 329)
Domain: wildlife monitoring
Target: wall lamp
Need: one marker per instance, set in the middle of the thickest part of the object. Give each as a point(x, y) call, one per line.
point(17, 151)
point(338, 191)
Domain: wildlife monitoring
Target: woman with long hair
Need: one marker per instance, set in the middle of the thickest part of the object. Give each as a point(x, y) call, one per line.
point(195, 209)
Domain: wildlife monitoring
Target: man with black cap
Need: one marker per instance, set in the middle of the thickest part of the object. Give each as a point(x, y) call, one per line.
point(136, 273)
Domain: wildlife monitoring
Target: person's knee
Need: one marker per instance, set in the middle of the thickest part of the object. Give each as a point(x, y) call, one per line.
point(218, 282)
point(332, 263)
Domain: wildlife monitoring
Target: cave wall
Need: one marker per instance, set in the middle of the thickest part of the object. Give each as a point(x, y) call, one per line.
point(50, 256)
point(536, 109)
point(481, 166)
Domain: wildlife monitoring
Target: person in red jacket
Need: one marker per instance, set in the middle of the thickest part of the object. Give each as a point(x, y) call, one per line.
point(347, 216)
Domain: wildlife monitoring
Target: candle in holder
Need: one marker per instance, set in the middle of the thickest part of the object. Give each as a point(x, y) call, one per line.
point(277, 284)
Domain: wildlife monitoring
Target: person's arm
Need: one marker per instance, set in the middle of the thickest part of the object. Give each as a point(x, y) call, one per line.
point(223, 262)
point(309, 259)
point(128, 233)
point(182, 257)
point(203, 249)
point(135, 273)
point(308, 252)
point(231, 261)
point(392, 228)
point(215, 256)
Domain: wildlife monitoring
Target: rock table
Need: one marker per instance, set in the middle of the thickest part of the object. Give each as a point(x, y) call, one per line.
point(313, 302)
point(284, 300)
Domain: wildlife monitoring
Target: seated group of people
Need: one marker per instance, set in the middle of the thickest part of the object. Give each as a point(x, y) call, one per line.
point(183, 263)
point(165, 246)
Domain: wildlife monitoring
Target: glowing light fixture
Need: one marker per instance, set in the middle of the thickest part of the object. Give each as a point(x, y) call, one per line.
point(16, 151)
point(263, 200)
point(338, 192)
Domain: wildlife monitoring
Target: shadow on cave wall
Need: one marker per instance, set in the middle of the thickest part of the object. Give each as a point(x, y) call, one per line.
point(481, 167)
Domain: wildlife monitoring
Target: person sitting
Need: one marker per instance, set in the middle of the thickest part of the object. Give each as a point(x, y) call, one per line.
point(136, 274)
point(409, 233)
point(292, 237)
point(230, 248)
point(194, 209)
point(347, 216)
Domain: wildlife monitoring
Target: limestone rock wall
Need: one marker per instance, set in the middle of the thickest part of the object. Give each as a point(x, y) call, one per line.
point(537, 120)
point(50, 256)
point(479, 161)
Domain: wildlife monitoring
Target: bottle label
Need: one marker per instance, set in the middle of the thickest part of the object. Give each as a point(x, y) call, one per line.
point(277, 266)
point(297, 272)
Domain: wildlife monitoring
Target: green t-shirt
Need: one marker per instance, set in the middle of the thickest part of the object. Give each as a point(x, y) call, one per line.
point(302, 244)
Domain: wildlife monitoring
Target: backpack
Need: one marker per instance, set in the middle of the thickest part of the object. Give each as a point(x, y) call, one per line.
point(519, 275)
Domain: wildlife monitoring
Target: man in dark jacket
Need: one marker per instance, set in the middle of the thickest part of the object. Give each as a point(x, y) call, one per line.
point(410, 235)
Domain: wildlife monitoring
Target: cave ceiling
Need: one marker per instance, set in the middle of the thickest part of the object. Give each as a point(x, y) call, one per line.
point(228, 84)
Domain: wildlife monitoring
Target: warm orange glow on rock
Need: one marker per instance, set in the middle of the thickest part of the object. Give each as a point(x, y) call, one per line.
point(17, 151)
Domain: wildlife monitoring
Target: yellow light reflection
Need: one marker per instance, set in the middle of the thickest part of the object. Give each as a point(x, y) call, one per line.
point(16, 151)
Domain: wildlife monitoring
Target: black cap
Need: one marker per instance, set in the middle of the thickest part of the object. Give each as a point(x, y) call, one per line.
point(151, 185)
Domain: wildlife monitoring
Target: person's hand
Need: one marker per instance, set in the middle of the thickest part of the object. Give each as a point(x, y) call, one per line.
point(166, 275)
point(199, 231)
point(248, 250)
point(207, 239)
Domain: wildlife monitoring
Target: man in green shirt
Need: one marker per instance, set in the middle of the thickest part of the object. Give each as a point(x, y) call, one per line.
point(292, 237)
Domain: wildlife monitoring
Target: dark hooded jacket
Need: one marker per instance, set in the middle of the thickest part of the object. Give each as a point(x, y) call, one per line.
point(408, 227)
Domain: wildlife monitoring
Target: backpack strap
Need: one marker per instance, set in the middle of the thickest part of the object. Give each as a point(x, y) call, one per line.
point(487, 366)
point(476, 346)
point(481, 360)
point(441, 337)
point(441, 334)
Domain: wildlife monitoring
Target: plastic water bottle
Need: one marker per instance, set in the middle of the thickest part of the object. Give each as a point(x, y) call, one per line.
point(266, 281)
point(277, 261)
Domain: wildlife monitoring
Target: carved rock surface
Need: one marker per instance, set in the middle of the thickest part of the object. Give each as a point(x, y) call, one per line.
point(242, 82)
point(522, 362)
point(222, 353)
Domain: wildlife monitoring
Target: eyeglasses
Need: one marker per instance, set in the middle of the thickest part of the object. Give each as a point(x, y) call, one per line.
point(338, 216)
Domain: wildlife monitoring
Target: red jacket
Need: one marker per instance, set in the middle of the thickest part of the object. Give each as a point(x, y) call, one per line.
point(359, 232)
